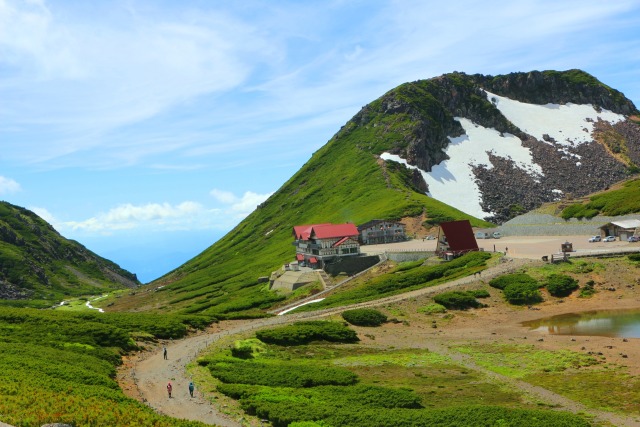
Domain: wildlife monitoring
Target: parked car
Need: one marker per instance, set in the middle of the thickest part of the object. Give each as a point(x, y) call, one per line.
point(609, 239)
point(633, 239)
point(594, 239)
point(497, 234)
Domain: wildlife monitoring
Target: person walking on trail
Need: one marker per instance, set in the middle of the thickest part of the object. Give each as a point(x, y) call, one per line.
point(164, 352)
point(169, 389)
point(191, 388)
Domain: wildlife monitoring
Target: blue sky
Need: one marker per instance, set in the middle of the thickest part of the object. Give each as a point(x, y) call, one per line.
point(146, 130)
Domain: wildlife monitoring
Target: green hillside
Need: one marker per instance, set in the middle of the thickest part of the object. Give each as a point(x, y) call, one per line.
point(343, 181)
point(619, 201)
point(37, 263)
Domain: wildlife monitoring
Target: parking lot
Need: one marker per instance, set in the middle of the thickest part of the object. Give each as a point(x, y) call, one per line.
point(533, 247)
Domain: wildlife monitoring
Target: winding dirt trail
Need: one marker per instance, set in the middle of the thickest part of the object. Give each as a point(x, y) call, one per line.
point(151, 372)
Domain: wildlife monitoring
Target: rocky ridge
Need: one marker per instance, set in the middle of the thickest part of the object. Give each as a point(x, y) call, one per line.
point(419, 118)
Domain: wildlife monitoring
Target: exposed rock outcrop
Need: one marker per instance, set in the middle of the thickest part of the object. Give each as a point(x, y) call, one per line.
point(417, 120)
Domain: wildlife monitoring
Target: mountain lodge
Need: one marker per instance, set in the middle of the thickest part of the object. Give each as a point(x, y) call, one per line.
point(317, 244)
point(381, 231)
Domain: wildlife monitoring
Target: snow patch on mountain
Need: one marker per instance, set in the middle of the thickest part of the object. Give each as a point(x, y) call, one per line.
point(569, 124)
point(453, 182)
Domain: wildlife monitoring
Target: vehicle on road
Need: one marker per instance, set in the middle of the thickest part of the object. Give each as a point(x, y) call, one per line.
point(609, 239)
point(633, 239)
point(594, 239)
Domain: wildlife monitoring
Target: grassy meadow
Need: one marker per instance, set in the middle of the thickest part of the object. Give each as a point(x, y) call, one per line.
point(363, 385)
point(60, 366)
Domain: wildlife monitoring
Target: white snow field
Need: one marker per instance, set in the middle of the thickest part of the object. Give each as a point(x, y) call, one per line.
point(452, 181)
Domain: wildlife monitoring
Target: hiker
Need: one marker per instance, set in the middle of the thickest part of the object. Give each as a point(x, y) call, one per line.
point(169, 388)
point(164, 352)
point(191, 388)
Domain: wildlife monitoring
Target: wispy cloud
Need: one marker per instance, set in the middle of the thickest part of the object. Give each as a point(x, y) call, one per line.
point(90, 78)
point(161, 216)
point(187, 215)
point(116, 87)
point(8, 185)
point(242, 206)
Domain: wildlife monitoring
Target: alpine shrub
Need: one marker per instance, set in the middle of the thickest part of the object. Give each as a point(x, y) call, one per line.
point(457, 300)
point(300, 333)
point(480, 293)
point(560, 285)
point(364, 317)
point(520, 293)
point(501, 282)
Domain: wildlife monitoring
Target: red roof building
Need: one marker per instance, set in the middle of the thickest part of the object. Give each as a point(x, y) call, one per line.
point(318, 244)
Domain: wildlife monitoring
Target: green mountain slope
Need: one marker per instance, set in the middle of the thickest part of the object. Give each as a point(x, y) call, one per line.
point(343, 181)
point(622, 200)
point(37, 263)
point(346, 180)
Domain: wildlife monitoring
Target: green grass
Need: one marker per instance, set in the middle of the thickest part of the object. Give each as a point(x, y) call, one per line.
point(394, 388)
point(606, 389)
point(404, 281)
point(520, 360)
point(623, 201)
point(59, 366)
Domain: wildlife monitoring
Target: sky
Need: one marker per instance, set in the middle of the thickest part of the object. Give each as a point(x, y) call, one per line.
point(146, 130)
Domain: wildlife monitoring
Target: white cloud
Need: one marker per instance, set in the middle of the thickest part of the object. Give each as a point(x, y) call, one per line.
point(44, 214)
point(86, 76)
point(8, 185)
point(239, 206)
point(225, 197)
point(128, 216)
point(159, 217)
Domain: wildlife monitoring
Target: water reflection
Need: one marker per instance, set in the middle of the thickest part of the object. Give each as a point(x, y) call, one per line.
point(609, 323)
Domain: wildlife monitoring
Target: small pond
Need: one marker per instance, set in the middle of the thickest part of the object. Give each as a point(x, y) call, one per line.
point(607, 323)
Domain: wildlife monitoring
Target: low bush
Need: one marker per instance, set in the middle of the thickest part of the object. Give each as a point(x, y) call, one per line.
point(364, 317)
point(480, 293)
point(634, 257)
point(300, 333)
point(520, 293)
point(279, 375)
point(408, 265)
point(459, 300)
point(503, 281)
point(560, 285)
point(588, 289)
